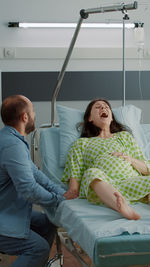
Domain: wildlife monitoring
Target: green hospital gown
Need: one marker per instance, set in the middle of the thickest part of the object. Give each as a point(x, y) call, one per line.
point(91, 158)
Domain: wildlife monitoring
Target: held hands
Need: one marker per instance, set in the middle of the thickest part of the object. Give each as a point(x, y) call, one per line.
point(71, 194)
point(73, 191)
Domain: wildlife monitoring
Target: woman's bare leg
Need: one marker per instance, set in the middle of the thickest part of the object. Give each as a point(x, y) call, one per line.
point(113, 199)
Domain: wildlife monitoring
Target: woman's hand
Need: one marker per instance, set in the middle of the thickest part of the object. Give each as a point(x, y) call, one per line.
point(70, 194)
point(137, 164)
point(73, 191)
point(123, 156)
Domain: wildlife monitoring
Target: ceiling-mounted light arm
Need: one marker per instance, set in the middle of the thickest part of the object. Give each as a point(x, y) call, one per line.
point(126, 17)
point(62, 72)
point(85, 12)
point(83, 15)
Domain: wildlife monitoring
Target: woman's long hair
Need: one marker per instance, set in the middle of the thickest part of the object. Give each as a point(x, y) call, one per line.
point(90, 130)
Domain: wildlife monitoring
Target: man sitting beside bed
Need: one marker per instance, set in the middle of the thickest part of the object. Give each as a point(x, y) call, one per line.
point(106, 165)
point(23, 232)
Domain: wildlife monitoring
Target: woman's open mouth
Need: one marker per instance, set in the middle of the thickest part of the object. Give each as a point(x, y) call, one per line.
point(104, 115)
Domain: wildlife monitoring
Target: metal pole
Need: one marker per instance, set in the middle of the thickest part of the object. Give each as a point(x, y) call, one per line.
point(123, 66)
point(61, 75)
point(126, 17)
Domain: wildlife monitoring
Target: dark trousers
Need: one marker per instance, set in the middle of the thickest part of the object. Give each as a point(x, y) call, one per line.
point(33, 251)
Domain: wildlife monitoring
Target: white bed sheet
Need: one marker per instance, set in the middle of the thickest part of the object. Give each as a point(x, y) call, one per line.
point(82, 219)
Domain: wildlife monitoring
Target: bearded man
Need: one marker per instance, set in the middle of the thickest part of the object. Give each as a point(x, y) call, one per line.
point(23, 232)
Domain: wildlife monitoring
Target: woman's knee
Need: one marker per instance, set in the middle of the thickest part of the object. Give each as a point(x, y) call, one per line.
point(95, 182)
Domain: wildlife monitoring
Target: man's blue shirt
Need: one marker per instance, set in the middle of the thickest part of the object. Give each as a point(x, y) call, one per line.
point(21, 184)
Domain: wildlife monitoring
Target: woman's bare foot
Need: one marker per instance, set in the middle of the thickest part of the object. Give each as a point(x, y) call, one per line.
point(125, 209)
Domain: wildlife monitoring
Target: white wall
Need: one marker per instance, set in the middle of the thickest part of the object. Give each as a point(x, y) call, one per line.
point(35, 49)
point(45, 49)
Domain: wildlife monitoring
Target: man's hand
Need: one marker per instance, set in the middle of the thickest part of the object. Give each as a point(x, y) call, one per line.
point(71, 194)
point(73, 191)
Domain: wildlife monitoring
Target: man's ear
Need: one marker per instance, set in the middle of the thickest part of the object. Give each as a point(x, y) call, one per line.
point(24, 117)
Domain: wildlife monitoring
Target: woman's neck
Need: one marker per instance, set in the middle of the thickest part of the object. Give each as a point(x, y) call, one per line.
point(105, 133)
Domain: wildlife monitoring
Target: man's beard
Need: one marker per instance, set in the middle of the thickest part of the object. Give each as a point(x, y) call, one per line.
point(30, 127)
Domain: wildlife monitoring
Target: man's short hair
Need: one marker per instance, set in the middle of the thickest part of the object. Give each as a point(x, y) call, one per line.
point(12, 109)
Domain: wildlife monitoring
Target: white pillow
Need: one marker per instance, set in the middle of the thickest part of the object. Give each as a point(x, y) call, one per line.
point(146, 130)
point(68, 120)
point(128, 115)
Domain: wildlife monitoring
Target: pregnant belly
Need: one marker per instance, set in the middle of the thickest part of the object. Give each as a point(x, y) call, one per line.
point(113, 165)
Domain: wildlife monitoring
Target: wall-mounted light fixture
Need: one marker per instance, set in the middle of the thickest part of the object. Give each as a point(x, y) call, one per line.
point(71, 25)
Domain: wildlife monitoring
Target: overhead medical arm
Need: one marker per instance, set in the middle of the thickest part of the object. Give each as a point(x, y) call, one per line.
point(84, 13)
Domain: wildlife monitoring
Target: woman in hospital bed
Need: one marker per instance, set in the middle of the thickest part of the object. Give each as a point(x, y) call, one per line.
point(106, 165)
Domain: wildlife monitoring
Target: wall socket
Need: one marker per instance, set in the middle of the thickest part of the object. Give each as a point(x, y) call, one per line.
point(9, 52)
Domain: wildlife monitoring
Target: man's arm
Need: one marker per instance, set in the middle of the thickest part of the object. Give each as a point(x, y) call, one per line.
point(18, 165)
point(43, 180)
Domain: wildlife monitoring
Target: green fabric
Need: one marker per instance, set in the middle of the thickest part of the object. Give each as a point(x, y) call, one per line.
point(91, 158)
point(122, 250)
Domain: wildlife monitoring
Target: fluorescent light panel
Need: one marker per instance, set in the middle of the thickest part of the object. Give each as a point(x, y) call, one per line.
point(73, 25)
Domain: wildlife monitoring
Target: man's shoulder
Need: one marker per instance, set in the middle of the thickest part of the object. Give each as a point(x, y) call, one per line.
point(7, 138)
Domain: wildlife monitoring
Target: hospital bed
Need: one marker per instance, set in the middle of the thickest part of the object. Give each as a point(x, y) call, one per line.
point(107, 237)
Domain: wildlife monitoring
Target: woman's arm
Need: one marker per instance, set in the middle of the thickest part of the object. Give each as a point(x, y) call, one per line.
point(137, 164)
point(74, 169)
point(73, 191)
